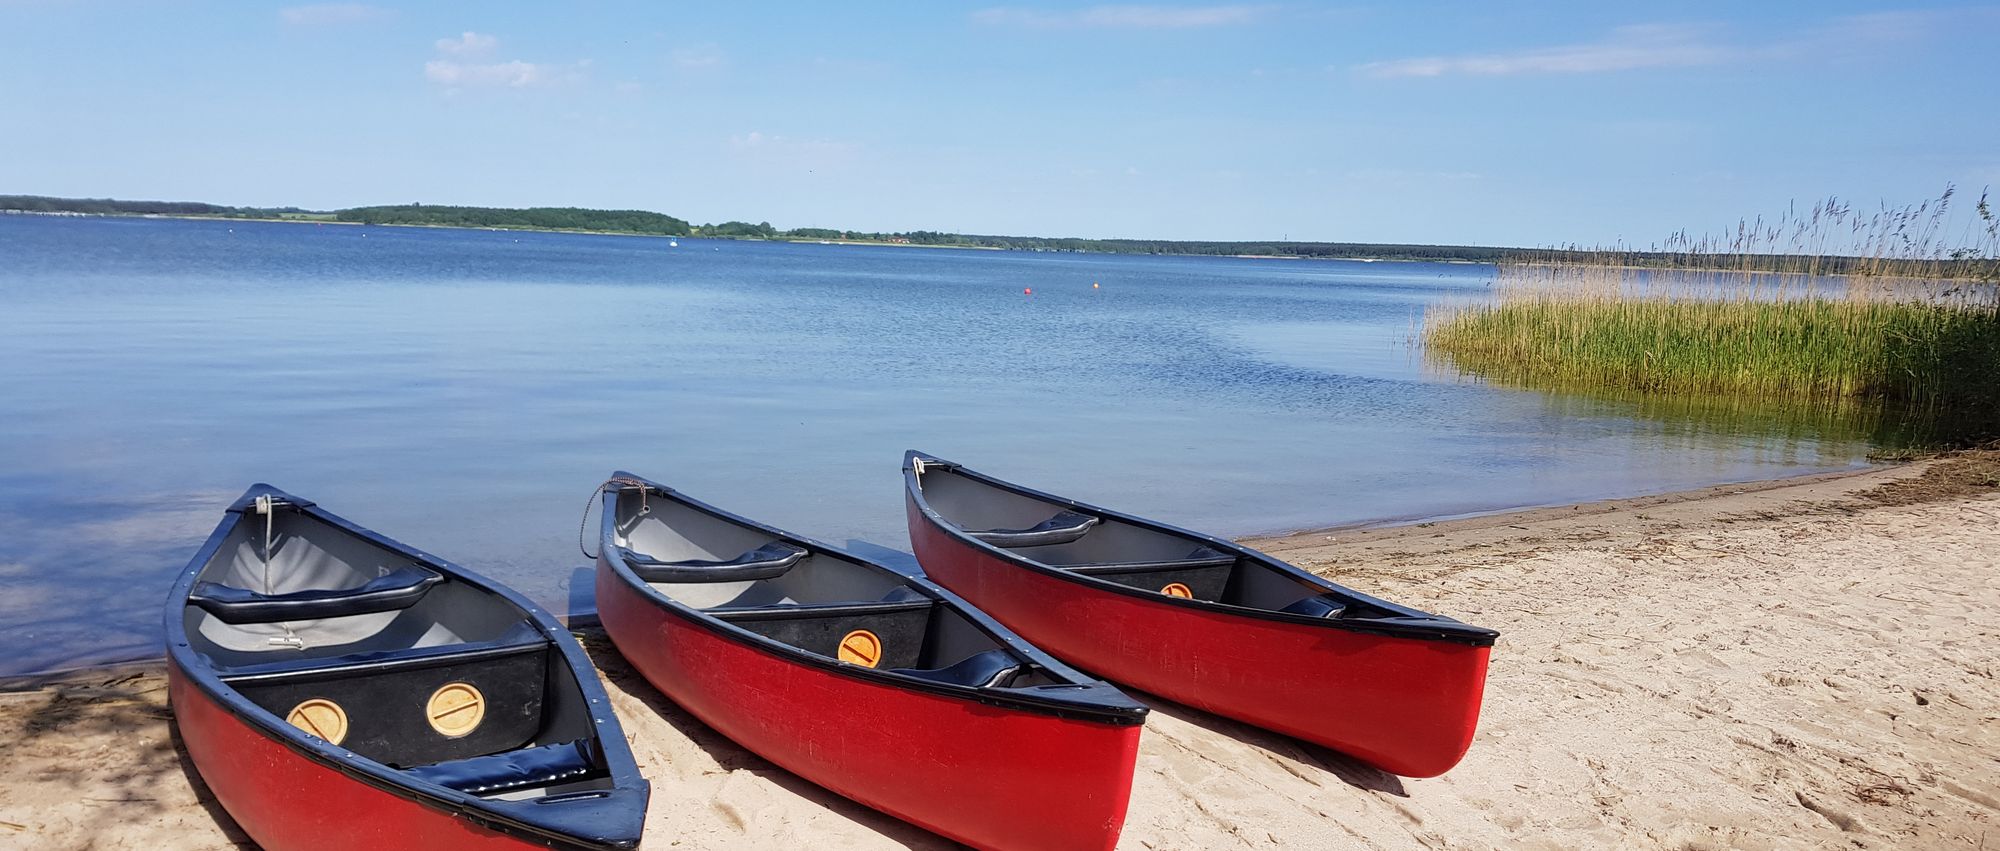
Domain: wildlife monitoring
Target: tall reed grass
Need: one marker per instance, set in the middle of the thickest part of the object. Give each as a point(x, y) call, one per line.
point(1827, 308)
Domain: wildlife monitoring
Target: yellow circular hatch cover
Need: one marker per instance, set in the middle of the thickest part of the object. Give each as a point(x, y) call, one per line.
point(456, 709)
point(861, 647)
point(320, 717)
point(1175, 589)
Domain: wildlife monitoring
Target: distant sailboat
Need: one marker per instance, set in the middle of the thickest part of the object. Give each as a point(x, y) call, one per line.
point(673, 243)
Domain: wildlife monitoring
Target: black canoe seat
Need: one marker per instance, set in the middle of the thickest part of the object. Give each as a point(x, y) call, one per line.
point(522, 769)
point(519, 638)
point(902, 594)
point(1060, 529)
point(764, 562)
point(980, 670)
point(900, 622)
point(1204, 572)
point(897, 596)
point(1321, 606)
point(398, 589)
point(1201, 557)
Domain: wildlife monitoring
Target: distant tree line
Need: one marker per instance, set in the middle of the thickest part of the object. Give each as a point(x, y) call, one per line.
point(1161, 246)
point(114, 207)
point(539, 218)
point(644, 222)
point(760, 230)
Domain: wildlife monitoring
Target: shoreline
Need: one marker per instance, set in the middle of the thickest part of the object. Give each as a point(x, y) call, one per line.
point(1275, 543)
point(1503, 516)
point(1786, 664)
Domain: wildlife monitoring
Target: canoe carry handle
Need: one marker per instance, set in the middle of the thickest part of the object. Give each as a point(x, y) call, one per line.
point(764, 562)
point(1060, 529)
point(616, 482)
point(393, 591)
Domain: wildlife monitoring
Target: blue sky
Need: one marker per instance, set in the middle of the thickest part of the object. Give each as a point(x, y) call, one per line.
point(1520, 123)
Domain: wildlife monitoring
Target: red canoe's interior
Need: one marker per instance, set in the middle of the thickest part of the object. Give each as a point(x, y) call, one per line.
point(814, 601)
point(382, 666)
point(1136, 556)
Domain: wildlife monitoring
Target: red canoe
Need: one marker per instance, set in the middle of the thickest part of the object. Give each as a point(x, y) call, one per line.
point(1203, 621)
point(871, 683)
point(336, 689)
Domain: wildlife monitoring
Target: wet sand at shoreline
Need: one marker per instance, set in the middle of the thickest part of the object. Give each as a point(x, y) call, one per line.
point(1808, 663)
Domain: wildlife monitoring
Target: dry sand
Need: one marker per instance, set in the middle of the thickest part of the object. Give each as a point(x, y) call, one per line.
point(1801, 664)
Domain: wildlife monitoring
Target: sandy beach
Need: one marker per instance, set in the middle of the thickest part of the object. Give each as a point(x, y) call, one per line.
point(1801, 664)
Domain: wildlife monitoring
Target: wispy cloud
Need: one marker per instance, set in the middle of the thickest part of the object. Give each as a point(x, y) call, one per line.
point(1627, 48)
point(1690, 45)
point(1402, 176)
point(697, 57)
point(1123, 17)
point(514, 73)
point(331, 14)
point(802, 154)
point(467, 61)
point(468, 44)
point(773, 141)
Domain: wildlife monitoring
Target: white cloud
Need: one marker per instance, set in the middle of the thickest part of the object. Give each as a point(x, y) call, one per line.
point(1123, 17)
point(330, 14)
point(1687, 46)
point(1405, 176)
point(771, 149)
point(515, 74)
point(467, 61)
point(697, 57)
point(468, 44)
point(1627, 48)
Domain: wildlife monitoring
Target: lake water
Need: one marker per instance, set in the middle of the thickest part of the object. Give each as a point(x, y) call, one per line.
point(464, 390)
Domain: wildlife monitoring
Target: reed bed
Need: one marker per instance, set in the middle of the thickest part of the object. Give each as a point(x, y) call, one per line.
point(1828, 308)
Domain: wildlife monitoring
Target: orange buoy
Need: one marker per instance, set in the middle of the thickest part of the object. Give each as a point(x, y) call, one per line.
point(1093, 285)
point(1027, 290)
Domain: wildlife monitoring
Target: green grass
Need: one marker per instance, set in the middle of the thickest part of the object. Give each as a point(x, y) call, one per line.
point(1812, 350)
point(1911, 326)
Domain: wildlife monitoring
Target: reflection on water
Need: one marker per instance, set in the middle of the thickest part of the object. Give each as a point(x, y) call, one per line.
point(1686, 420)
point(463, 390)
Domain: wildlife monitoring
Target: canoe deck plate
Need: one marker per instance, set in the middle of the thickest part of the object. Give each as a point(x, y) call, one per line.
point(320, 717)
point(456, 709)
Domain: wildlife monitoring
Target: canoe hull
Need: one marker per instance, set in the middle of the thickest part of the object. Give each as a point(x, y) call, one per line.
point(284, 800)
point(1405, 705)
point(983, 775)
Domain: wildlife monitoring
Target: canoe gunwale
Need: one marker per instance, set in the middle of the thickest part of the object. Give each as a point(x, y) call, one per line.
point(1086, 698)
point(1408, 624)
point(629, 791)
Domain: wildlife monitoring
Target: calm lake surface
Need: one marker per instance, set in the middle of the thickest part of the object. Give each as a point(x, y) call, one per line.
point(463, 391)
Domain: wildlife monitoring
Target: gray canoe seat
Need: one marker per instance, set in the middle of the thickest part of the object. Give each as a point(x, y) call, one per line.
point(1063, 528)
point(764, 562)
